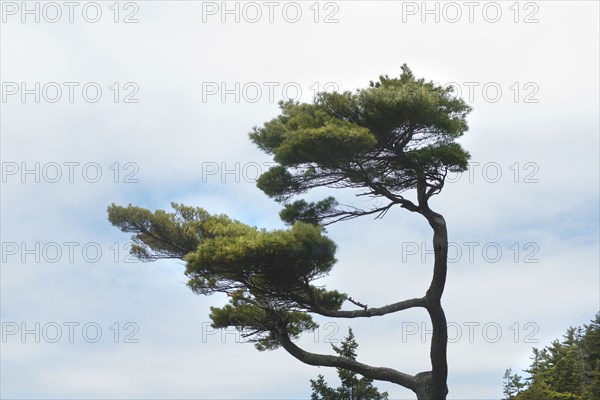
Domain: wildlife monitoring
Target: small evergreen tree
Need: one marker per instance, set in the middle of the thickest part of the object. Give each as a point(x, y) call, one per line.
point(353, 387)
point(513, 385)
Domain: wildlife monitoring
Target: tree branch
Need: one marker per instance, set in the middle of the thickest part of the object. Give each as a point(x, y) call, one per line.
point(370, 312)
point(377, 373)
point(344, 215)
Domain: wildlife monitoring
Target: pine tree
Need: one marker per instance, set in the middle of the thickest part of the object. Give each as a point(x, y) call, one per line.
point(564, 370)
point(353, 387)
point(396, 136)
point(513, 384)
point(590, 355)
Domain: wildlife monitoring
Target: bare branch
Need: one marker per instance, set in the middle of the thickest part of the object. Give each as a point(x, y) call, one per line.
point(370, 312)
point(345, 215)
point(377, 373)
point(364, 306)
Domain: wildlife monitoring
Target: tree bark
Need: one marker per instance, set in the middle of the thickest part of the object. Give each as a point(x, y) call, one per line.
point(439, 339)
point(423, 386)
point(369, 312)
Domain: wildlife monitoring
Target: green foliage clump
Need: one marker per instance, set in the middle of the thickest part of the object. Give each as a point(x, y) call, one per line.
point(162, 234)
point(266, 274)
point(311, 213)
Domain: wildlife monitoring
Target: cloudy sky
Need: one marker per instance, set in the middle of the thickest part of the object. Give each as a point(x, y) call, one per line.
point(149, 102)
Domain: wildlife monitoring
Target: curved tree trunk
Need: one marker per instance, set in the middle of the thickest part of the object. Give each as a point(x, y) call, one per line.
point(438, 388)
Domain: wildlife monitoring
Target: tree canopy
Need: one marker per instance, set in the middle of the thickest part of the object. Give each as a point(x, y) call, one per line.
point(383, 139)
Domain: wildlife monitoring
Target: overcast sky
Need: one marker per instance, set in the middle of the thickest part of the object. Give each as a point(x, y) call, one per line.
point(149, 102)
